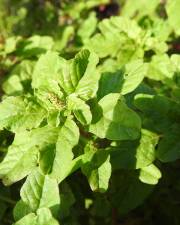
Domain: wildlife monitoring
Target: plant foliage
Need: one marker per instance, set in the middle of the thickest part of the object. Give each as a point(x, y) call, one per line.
point(89, 111)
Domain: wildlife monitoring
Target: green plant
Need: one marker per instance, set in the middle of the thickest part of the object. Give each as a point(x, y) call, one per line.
point(89, 113)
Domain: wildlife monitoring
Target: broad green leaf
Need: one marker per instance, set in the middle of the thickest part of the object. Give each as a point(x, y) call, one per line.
point(115, 121)
point(73, 70)
point(22, 155)
point(43, 217)
point(35, 46)
point(114, 34)
point(159, 112)
point(68, 137)
point(150, 174)
point(18, 113)
point(30, 219)
point(80, 75)
point(133, 75)
point(88, 85)
point(46, 73)
point(124, 80)
point(40, 191)
point(145, 153)
point(80, 109)
point(136, 154)
point(20, 210)
point(172, 9)
point(160, 68)
point(169, 146)
point(98, 172)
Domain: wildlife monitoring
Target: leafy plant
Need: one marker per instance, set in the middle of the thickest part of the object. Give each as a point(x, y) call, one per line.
point(89, 112)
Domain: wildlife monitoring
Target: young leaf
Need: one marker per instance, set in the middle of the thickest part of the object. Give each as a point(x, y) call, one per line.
point(150, 174)
point(80, 75)
point(80, 109)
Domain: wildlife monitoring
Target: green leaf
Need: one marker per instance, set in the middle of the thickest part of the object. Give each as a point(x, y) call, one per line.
point(73, 70)
point(80, 109)
point(124, 80)
point(160, 68)
point(20, 210)
point(87, 27)
point(159, 112)
point(116, 32)
point(22, 155)
point(169, 146)
point(172, 9)
point(18, 113)
point(80, 75)
point(68, 137)
point(115, 121)
point(43, 217)
point(136, 154)
point(88, 85)
point(46, 73)
point(98, 171)
point(40, 191)
point(150, 174)
point(13, 85)
point(30, 219)
point(35, 46)
point(19, 80)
